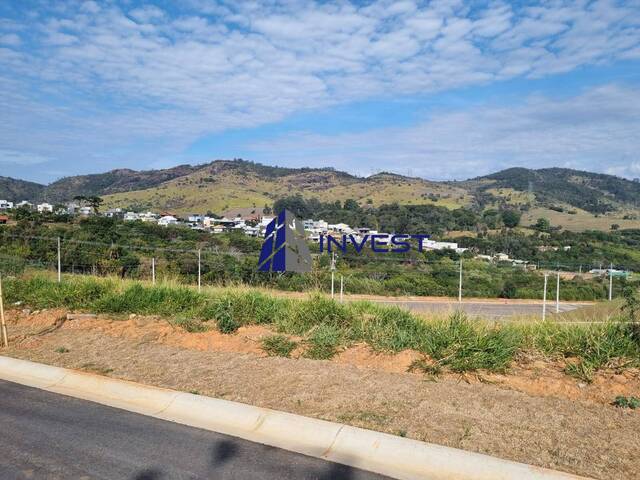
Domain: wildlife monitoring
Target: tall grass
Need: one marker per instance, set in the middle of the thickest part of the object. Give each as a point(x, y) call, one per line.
point(326, 326)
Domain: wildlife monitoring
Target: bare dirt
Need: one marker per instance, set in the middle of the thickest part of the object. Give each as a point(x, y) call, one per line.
point(535, 413)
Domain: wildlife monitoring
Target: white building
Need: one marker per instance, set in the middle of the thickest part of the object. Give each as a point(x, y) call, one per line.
point(131, 217)
point(428, 244)
point(167, 220)
point(148, 217)
point(6, 205)
point(44, 207)
point(25, 204)
point(85, 211)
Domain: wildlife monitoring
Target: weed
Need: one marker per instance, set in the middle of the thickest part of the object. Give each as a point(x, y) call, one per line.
point(278, 346)
point(323, 342)
point(62, 350)
point(425, 366)
point(192, 325)
point(626, 402)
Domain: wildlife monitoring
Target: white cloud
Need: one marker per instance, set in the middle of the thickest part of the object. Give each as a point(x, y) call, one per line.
point(10, 39)
point(97, 77)
point(596, 131)
point(21, 158)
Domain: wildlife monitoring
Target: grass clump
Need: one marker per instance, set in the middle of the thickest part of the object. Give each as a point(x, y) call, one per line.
point(278, 346)
point(192, 325)
point(626, 402)
point(62, 350)
point(456, 342)
point(323, 342)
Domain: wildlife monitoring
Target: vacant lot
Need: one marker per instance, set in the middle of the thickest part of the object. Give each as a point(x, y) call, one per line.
point(533, 412)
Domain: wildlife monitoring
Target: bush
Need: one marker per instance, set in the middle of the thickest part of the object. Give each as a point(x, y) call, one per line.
point(278, 345)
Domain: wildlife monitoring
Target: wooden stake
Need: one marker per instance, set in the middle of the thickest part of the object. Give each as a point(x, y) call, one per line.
point(5, 339)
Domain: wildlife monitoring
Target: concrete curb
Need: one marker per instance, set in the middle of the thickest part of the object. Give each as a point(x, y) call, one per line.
point(389, 455)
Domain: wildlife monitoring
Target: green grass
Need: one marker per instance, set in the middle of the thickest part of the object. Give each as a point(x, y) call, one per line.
point(453, 342)
point(278, 345)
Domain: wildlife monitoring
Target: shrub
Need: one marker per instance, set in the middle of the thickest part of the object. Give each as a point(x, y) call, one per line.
point(278, 345)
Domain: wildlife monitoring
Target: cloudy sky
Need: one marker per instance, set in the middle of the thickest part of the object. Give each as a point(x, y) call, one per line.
point(439, 89)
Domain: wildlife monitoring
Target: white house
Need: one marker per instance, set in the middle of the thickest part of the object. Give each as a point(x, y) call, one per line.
point(25, 204)
point(44, 207)
point(148, 217)
point(5, 205)
point(167, 220)
point(85, 211)
point(131, 217)
point(428, 244)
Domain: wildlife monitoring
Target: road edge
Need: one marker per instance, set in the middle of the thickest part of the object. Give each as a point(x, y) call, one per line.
point(389, 455)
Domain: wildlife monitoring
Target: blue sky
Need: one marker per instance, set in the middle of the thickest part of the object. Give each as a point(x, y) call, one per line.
point(441, 89)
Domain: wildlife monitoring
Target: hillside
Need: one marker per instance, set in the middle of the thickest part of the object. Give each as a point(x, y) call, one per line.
point(14, 190)
point(122, 180)
point(224, 185)
point(576, 200)
point(556, 187)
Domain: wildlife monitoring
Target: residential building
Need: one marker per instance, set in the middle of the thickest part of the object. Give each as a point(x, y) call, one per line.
point(44, 207)
point(167, 220)
point(6, 205)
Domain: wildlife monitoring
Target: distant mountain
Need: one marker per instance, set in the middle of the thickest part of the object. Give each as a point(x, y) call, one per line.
point(15, 191)
point(122, 180)
point(593, 192)
point(571, 198)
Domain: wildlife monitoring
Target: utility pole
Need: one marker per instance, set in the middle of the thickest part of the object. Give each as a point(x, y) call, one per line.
point(341, 288)
point(59, 263)
point(153, 270)
point(544, 297)
point(460, 284)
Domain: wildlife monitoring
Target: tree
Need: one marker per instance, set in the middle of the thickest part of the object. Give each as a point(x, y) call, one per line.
point(543, 225)
point(511, 218)
point(95, 202)
point(615, 226)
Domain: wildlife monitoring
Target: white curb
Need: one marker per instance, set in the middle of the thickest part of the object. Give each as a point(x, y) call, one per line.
point(389, 455)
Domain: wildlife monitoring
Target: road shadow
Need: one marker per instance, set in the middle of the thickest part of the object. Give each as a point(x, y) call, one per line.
point(148, 474)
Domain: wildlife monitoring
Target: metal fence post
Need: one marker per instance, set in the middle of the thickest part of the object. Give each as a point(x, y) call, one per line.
point(153, 270)
point(341, 288)
point(59, 262)
point(558, 293)
point(611, 282)
point(544, 297)
point(460, 284)
point(5, 339)
point(199, 270)
point(333, 272)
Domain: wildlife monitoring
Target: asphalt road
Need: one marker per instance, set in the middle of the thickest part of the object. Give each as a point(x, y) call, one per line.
point(51, 436)
point(490, 310)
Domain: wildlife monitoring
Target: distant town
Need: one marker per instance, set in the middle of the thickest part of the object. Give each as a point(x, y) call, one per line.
point(253, 223)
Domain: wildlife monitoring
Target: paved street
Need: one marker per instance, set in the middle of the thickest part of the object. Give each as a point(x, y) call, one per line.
point(50, 436)
point(490, 310)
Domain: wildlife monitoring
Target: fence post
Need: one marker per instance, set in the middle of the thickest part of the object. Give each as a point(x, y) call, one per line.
point(460, 284)
point(199, 270)
point(153, 270)
point(59, 263)
point(5, 339)
point(611, 282)
point(558, 292)
point(333, 272)
point(341, 288)
point(544, 297)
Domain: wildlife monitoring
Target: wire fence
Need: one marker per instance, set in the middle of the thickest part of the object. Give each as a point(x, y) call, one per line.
point(388, 275)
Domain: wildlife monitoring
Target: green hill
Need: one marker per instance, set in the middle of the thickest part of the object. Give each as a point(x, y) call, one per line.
point(573, 199)
point(14, 190)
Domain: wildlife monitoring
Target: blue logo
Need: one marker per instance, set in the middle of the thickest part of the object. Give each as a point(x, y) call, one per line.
point(284, 248)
